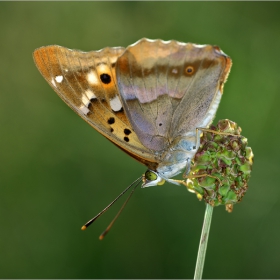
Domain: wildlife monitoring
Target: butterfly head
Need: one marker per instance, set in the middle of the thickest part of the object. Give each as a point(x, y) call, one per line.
point(152, 178)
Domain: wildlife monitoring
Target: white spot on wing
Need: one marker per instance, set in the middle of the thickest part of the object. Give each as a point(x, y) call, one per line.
point(199, 46)
point(84, 109)
point(85, 100)
point(174, 71)
point(181, 43)
point(59, 78)
point(116, 104)
point(166, 42)
point(53, 82)
point(92, 78)
point(90, 94)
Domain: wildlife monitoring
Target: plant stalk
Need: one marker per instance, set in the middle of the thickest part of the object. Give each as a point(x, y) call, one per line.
point(203, 242)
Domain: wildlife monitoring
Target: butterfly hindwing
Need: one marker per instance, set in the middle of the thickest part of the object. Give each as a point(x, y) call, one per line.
point(170, 88)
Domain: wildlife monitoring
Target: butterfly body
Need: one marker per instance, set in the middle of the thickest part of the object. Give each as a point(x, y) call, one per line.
point(148, 99)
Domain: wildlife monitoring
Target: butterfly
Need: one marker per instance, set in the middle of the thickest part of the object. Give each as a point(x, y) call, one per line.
point(148, 99)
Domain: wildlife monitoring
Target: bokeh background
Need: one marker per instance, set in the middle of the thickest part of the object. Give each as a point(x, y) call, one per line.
point(56, 172)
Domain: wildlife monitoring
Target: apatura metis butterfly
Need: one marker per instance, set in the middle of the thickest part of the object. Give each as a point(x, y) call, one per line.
point(149, 99)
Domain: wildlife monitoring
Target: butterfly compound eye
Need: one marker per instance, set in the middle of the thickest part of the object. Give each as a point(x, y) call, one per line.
point(151, 176)
point(105, 78)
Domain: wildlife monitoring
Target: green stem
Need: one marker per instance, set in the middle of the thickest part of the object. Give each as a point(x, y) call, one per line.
point(203, 242)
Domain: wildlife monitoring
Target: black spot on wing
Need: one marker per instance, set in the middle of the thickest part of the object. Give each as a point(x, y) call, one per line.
point(105, 78)
point(111, 120)
point(127, 131)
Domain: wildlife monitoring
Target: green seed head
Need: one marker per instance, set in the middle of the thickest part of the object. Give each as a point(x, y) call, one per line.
point(222, 166)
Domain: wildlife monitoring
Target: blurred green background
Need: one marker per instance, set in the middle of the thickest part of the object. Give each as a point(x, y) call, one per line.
point(56, 172)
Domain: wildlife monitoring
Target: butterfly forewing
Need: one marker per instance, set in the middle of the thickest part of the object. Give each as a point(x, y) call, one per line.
point(86, 81)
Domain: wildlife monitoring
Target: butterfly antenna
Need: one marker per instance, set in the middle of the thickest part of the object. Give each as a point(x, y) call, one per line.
point(86, 225)
point(102, 235)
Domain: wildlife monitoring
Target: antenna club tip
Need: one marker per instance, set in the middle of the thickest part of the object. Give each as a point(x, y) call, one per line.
point(101, 237)
point(83, 228)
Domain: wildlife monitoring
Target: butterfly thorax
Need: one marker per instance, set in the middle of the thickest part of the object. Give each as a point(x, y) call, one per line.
point(175, 158)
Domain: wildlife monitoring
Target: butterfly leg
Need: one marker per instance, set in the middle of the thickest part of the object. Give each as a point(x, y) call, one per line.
point(193, 177)
point(200, 130)
point(188, 168)
point(189, 187)
point(215, 132)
